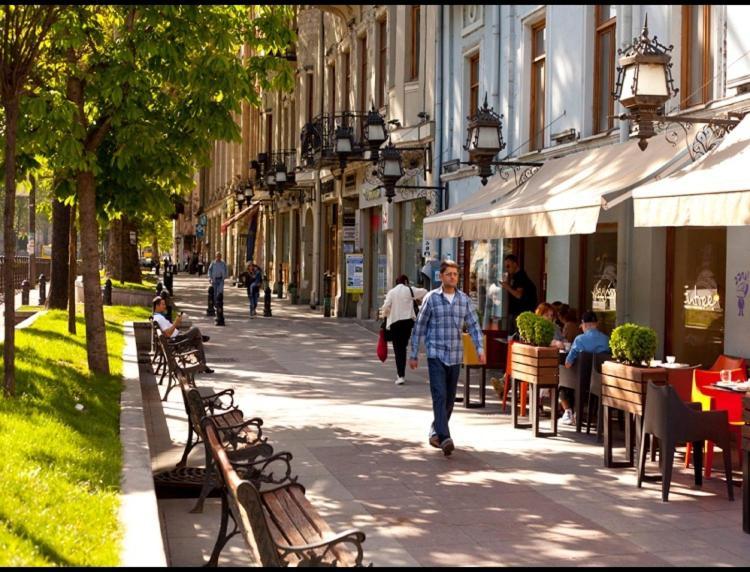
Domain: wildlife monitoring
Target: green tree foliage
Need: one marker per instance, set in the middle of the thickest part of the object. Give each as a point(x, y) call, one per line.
point(138, 97)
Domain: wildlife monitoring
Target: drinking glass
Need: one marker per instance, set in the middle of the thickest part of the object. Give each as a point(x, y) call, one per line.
point(670, 359)
point(725, 375)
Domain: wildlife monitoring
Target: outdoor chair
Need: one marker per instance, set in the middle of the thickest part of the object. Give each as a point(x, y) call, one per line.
point(578, 378)
point(702, 378)
point(729, 362)
point(595, 390)
point(671, 420)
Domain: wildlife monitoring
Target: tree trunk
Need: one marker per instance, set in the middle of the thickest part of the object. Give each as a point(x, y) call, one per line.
point(31, 244)
point(122, 255)
point(96, 339)
point(58, 289)
point(9, 234)
point(72, 265)
point(154, 247)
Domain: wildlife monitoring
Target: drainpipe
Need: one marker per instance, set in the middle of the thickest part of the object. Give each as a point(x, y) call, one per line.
point(496, 53)
point(626, 222)
point(437, 162)
point(511, 130)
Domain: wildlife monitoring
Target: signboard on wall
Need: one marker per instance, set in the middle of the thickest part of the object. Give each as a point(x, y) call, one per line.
point(355, 273)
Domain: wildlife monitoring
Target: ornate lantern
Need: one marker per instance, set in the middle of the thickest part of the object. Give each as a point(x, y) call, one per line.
point(390, 169)
point(484, 139)
point(375, 132)
point(644, 81)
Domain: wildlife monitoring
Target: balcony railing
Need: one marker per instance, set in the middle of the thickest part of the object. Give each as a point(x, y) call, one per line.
point(318, 137)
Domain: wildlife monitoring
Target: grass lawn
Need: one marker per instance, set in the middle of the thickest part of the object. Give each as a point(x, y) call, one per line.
point(29, 308)
point(149, 283)
point(60, 469)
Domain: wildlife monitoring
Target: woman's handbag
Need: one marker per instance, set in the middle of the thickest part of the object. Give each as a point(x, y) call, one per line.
point(382, 346)
point(414, 301)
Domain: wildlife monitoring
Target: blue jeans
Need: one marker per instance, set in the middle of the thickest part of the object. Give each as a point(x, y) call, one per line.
point(443, 383)
point(218, 284)
point(253, 293)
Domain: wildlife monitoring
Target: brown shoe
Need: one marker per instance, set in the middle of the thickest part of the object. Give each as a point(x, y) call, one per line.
point(435, 441)
point(447, 446)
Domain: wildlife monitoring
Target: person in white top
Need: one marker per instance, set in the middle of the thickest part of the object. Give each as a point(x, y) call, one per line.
point(399, 306)
point(171, 330)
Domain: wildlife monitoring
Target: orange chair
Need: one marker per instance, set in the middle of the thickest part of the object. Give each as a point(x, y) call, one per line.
point(702, 378)
point(524, 386)
point(729, 362)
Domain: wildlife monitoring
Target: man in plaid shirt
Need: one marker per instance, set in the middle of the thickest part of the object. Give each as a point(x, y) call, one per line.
point(441, 318)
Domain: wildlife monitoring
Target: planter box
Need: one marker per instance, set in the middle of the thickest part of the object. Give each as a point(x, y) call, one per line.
point(143, 333)
point(21, 316)
point(121, 296)
point(534, 364)
point(624, 386)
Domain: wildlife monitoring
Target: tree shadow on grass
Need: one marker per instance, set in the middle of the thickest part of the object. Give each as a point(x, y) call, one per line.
point(20, 531)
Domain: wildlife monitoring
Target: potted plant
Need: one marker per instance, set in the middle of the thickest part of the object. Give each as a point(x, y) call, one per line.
point(533, 360)
point(625, 378)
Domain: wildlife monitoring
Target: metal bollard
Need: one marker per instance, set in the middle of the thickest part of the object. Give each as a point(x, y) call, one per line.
point(159, 288)
point(211, 311)
point(220, 309)
point(25, 293)
point(168, 282)
point(107, 292)
point(327, 295)
point(280, 284)
point(42, 290)
point(267, 300)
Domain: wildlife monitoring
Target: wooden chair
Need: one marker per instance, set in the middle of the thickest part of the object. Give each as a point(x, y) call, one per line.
point(671, 420)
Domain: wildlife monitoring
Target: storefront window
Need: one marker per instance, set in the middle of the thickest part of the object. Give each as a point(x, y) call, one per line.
point(600, 276)
point(412, 261)
point(697, 283)
point(485, 273)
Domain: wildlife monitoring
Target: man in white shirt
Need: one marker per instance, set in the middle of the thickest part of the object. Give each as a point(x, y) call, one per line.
point(217, 273)
point(171, 330)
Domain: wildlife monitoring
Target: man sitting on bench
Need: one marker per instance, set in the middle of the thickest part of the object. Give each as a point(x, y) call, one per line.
point(171, 330)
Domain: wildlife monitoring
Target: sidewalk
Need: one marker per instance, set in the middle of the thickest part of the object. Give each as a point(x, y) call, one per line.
point(360, 448)
point(33, 300)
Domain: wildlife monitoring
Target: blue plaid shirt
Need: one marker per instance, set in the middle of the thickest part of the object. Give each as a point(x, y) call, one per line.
point(441, 322)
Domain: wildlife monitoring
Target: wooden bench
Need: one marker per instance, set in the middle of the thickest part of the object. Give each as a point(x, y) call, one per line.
point(279, 525)
point(180, 358)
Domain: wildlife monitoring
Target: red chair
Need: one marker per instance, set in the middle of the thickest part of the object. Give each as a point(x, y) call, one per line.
point(729, 362)
point(524, 386)
point(717, 400)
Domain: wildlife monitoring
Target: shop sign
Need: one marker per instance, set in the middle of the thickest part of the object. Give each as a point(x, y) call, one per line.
point(357, 226)
point(355, 273)
point(705, 299)
point(203, 219)
point(604, 296)
point(742, 283)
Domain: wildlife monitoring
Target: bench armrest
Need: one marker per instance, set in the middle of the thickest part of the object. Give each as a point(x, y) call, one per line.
point(261, 470)
point(235, 432)
point(214, 402)
point(311, 555)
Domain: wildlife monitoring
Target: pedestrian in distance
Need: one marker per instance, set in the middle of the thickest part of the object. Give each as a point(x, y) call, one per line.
point(217, 273)
point(441, 318)
point(401, 308)
point(253, 279)
point(171, 330)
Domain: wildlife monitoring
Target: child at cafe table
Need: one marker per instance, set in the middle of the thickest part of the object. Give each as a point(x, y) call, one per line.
point(171, 330)
point(591, 340)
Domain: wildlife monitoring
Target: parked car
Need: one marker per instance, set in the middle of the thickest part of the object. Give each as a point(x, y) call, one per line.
point(147, 262)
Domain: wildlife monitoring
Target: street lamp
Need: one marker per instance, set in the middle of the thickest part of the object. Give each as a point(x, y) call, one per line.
point(375, 132)
point(281, 176)
point(248, 191)
point(344, 144)
point(644, 81)
point(239, 196)
point(390, 169)
point(484, 139)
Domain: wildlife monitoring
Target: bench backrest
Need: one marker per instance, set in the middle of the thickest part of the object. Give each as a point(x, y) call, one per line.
point(244, 501)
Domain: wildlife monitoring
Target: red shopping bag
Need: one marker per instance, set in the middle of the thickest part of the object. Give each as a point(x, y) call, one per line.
point(382, 346)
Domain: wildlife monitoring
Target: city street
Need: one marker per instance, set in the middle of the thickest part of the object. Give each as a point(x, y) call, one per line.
point(360, 449)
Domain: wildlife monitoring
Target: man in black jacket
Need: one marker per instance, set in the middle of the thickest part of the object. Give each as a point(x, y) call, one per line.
point(521, 291)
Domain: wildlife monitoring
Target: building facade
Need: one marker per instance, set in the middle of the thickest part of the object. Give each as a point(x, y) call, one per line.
point(333, 240)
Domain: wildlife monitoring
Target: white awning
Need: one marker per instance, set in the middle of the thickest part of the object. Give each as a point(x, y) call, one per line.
point(567, 194)
point(448, 223)
point(713, 191)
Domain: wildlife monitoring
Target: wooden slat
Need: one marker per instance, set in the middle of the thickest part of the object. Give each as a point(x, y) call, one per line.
point(298, 517)
point(534, 351)
point(629, 396)
point(623, 405)
point(278, 537)
point(343, 555)
point(531, 360)
point(544, 381)
point(537, 371)
point(623, 384)
point(282, 520)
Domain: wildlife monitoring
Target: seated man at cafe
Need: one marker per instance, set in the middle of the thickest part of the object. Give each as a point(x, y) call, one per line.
point(172, 330)
point(591, 340)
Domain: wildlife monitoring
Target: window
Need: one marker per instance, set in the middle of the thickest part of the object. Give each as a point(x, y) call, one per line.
point(696, 280)
point(414, 43)
point(538, 56)
point(382, 59)
point(604, 67)
point(473, 84)
point(363, 73)
point(347, 80)
point(332, 89)
point(695, 74)
point(599, 275)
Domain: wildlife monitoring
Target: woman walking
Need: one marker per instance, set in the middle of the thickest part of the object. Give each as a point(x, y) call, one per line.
point(401, 307)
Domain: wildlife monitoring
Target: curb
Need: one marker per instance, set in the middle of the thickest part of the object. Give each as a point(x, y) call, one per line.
point(142, 543)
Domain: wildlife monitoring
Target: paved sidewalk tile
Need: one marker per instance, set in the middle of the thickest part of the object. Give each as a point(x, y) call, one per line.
point(360, 448)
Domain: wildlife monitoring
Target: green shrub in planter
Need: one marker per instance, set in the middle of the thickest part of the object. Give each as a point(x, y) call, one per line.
point(525, 322)
point(534, 329)
point(544, 331)
point(633, 344)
